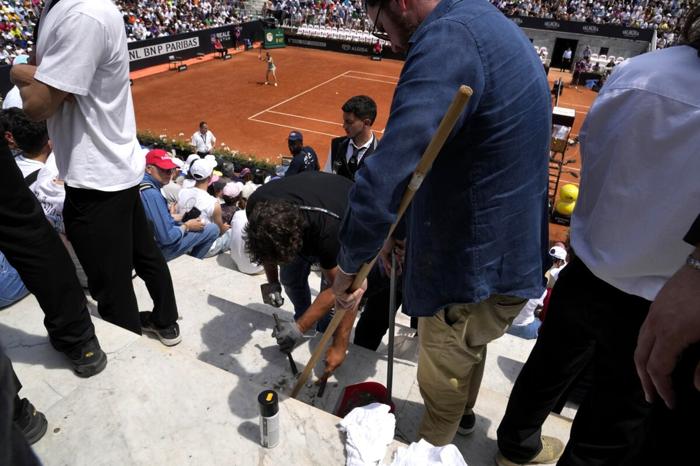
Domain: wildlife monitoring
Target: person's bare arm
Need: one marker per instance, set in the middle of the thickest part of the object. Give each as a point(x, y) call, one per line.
point(673, 324)
point(321, 305)
point(39, 100)
point(219, 221)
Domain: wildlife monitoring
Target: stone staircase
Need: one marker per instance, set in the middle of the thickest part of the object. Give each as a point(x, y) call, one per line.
point(195, 403)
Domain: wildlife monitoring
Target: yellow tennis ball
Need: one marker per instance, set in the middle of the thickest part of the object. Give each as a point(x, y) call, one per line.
point(565, 208)
point(568, 193)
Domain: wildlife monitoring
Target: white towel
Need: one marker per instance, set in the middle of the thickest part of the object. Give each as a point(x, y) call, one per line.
point(369, 430)
point(424, 453)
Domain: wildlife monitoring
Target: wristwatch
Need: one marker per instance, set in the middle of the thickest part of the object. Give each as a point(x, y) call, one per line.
point(692, 262)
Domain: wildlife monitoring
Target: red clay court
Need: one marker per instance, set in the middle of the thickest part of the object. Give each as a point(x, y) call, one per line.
point(252, 118)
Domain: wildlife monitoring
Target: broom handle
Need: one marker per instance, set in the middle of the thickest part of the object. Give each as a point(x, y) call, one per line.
point(424, 165)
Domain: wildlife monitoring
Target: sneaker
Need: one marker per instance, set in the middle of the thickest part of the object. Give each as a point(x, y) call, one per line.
point(552, 448)
point(275, 84)
point(31, 422)
point(169, 336)
point(88, 359)
point(467, 424)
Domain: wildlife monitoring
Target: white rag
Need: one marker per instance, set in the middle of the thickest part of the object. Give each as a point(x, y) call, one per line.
point(424, 453)
point(368, 431)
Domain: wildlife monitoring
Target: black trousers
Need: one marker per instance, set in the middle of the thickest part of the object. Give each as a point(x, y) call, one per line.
point(33, 247)
point(111, 236)
point(14, 449)
point(588, 322)
point(374, 319)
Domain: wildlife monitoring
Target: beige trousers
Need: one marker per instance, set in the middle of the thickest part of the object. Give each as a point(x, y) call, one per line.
point(451, 360)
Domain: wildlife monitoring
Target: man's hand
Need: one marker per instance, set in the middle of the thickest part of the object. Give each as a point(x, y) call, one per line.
point(344, 299)
point(288, 336)
point(399, 248)
point(335, 355)
point(272, 294)
point(673, 324)
point(194, 224)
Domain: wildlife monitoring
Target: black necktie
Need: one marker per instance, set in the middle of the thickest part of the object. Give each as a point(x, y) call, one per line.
point(352, 162)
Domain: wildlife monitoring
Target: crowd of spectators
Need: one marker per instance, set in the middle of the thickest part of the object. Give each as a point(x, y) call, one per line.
point(143, 19)
point(663, 15)
point(146, 19)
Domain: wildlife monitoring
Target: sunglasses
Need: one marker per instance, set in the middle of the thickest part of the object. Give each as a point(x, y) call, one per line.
point(376, 31)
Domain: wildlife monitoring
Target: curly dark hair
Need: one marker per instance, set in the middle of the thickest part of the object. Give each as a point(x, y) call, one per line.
point(30, 136)
point(274, 233)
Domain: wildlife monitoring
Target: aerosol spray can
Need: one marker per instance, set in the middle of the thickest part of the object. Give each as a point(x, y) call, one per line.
point(269, 418)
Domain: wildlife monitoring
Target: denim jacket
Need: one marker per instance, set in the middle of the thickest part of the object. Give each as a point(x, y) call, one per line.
point(478, 225)
point(165, 229)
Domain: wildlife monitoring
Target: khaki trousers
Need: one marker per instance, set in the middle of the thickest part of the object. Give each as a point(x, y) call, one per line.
point(451, 360)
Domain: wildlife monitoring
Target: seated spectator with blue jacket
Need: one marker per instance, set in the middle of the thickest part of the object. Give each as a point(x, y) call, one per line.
point(174, 237)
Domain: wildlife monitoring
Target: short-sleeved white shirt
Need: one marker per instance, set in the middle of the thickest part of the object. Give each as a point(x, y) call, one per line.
point(195, 197)
point(203, 143)
point(82, 50)
point(238, 252)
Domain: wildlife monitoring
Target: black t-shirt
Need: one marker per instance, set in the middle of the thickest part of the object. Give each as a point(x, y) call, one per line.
point(312, 189)
point(306, 160)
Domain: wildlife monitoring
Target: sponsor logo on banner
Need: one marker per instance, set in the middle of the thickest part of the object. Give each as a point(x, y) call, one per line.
point(311, 43)
point(552, 24)
point(223, 35)
point(517, 20)
point(163, 49)
point(346, 47)
point(630, 33)
point(269, 37)
point(590, 29)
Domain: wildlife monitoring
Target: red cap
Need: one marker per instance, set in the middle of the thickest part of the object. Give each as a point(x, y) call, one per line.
point(160, 159)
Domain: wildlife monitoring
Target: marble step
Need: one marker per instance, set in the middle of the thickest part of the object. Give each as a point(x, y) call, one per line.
point(225, 324)
point(155, 406)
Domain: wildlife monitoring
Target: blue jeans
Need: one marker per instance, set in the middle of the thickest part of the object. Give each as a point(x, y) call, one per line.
point(295, 279)
point(194, 243)
point(528, 332)
point(12, 288)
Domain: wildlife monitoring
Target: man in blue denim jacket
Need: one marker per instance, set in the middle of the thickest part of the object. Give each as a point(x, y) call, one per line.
point(477, 229)
point(173, 238)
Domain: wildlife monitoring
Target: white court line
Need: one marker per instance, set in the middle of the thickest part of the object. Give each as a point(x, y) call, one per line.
point(371, 79)
point(305, 118)
point(298, 95)
point(575, 105)
point(374, 74)
point(294, 127)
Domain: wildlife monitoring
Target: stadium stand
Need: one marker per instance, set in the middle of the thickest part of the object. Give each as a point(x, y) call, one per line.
point(341, 19)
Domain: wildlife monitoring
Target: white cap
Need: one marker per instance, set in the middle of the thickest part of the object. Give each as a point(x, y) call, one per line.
point(557, 252)
point(201, 169)
point(249, 189)
point(233, 189)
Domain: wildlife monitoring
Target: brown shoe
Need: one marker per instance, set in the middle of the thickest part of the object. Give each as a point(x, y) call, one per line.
point(552, 448)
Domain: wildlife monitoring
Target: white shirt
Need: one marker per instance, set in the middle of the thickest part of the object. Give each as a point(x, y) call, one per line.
point(195, 197)
point(526, 316)
point(567, 54)
point(27, 166)
point(82, 50)
point(51, 193)
point(640, 189)
point(348, 153)
point(238, 252)
point(203, 143)
point(13, 99)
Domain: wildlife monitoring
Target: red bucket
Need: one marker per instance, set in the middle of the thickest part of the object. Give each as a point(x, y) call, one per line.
point(361, 394)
